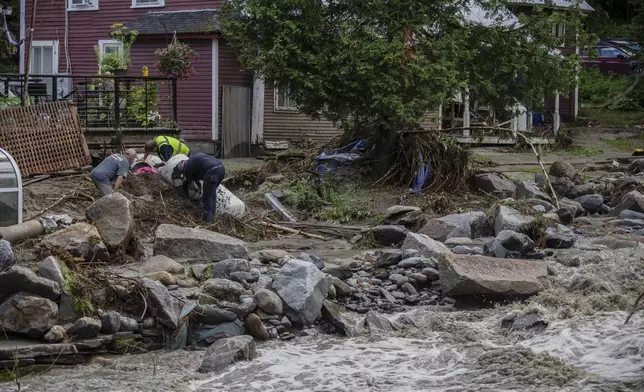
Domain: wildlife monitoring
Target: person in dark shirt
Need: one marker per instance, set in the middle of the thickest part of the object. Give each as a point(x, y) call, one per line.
point(203, 167)
point(166, 147)
point(113, 168)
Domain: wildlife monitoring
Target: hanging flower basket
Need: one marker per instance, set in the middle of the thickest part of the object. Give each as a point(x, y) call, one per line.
point(176, 60)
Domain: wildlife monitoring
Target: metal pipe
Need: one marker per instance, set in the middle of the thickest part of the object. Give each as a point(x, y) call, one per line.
point(24, 230)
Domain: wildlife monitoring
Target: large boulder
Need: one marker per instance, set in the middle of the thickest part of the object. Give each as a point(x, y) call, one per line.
point(183, 243)
point(526, 190)
point(161, 263)
point(80, 240)
point(462, 275)
point(468, 225)
point(628, 214)
point(517, 242)
point(223, 269)
point(559, 237)
point(18, 279)
point(564, 186)
point(162, 302)
point(563, 168)
point(85, 328)
point(389, 235)
point(493, 184)
point(223, 289)
point(113, 217)
point(633, 201)
point(27, 314)
point(591, 203)
point(507, 218)
point(227, 351)
point(255, 327)
point(303, 288)
point(50, 269)
point(425, 245)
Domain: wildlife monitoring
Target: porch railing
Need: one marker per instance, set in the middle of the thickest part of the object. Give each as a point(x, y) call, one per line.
point(104, 102)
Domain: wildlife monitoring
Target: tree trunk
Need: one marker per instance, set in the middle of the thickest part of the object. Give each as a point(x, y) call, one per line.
point(383, 155)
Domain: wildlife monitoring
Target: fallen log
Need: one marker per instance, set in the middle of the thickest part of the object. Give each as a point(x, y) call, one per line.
point(292, 231)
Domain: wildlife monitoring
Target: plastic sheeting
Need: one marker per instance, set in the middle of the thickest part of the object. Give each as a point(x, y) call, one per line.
point(423, 174)
point(340, 157)
point(181, 336)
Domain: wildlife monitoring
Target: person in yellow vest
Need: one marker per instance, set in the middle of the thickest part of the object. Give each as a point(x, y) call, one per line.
point(166, 147)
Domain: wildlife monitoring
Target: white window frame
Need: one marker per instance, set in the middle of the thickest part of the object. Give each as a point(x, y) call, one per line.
point(18, 187)
point(289, 109)
point(559, 31)
point(157, 4)
point(53, 45)
point(92, 5)
point(101, 46)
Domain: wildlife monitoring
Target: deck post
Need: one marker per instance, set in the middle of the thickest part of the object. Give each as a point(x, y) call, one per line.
point(556, 118)
point(257, 124)
point(466, 112)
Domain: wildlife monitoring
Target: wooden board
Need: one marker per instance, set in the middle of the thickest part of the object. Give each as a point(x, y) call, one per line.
point(236, 124)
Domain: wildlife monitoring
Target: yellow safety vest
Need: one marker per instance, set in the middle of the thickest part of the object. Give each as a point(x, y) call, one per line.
point(177, 146)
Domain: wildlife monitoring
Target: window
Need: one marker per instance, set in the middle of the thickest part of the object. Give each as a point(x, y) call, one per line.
point(283, 102)
point(559, 31)
point(44, 61)
point(10, 191)
point(109, 46)
point(611, 52)
point(82, 5)
point(147, 3)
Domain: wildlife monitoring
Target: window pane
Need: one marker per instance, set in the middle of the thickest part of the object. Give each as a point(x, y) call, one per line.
point(47, 60)
point(9, 208)
point(7, 173)
point(36, 60)
point(147, 1)
point(111, 48)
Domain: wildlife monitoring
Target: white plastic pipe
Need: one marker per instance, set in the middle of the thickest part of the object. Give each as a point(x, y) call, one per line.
point(227, 202)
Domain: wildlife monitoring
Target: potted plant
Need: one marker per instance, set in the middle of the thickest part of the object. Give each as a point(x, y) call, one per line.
point(126, 37)
point(176, 60)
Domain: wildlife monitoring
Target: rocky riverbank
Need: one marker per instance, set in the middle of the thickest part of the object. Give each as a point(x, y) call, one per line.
point(216, 294)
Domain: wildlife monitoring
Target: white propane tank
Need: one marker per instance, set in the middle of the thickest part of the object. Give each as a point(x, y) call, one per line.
point(227, 202)
point(152, 159)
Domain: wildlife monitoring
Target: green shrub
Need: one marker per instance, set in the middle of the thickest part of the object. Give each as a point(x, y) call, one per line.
point(615, 92)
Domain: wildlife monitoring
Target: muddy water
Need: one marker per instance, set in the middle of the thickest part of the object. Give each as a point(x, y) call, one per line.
point(586, 346)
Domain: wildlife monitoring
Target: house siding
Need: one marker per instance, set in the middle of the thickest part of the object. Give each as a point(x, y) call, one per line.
point(85, 30)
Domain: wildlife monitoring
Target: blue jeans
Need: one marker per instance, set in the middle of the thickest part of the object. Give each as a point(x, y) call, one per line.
point(211, 181)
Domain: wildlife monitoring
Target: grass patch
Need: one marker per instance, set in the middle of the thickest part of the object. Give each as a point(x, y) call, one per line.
point(627, 145)
point(207, 271)
point(600, 116)
point(584, 151)
point(129, 346)
point(482, 161)
point(83, 304)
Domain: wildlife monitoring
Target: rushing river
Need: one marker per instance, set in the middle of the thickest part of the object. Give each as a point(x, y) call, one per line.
point(585, 347)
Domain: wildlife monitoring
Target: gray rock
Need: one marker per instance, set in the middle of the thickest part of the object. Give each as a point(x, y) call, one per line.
point(564, 187)
point(377, 323)
point(462, 250)
point(268, 256)
point(339, 271)
point(66, 311)
point(55, 335)
point(113, 217)
point(80, 240)
point(591, 203)
point(566, 215)
point(210, 315)
point(263, 282)
point(245, 306)
point(576, 208)
point(255, 328)
point(507, 218)
point(494, 184)
point(268, 301)
point(160, 299)
point(336, 314)
point(408, 289)
point(223, 289)
point(416, 262)
point(221, 331)
point(85, 328)
point(161, 263)
point(569, 260)
point(563, 168)
point(388, 296)
point(389, 235)
point(559, 237)
point(110, 322)
point(637, 166)
point(241, 277)
point(223, 269)
point(407, 216)
point(525, 190)
point(628, 214)
point(541, 179)
point(538, 202)
point(342, 289)
point(467, 225)
point(201, 272)
point(425, 245)
point(463, 275)
point(389, 257)
point(431, 274)
point(527, 322)
point(398, 279)
point(458, 241)
point(27, 314)
point(407, 253)
point(183, 243)
point(539, 208)
point(493, 248)
point(303, 288)
point(317, 261)
point(129, 324)
point(419, 278)
point(6, 255)
point(50, 269)
point(584, 189)
point(227, 351)
point(517, 242)
point(633, 201)
point(18, 279)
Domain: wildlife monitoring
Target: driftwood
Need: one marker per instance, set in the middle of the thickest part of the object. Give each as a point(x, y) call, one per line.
point(292, 231)
point(637, 302)
point(329, 229)
point(543, 168)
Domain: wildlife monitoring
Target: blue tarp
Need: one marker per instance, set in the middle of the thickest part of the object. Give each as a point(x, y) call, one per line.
point(423, 174)
point(340, 157)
